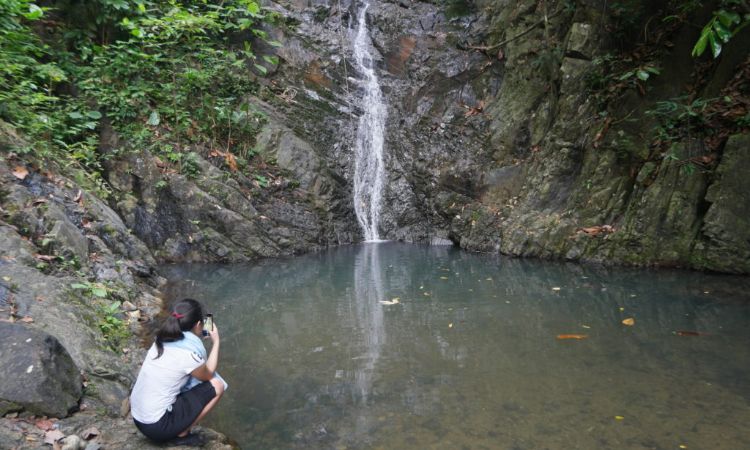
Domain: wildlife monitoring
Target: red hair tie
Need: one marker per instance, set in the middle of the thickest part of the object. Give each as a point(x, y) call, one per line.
point(178, 315)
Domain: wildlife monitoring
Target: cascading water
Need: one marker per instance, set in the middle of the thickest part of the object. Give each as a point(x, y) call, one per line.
point(369, 169)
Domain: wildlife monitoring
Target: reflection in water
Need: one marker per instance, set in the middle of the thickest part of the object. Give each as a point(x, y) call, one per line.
point(468, 358)
point(368, 291)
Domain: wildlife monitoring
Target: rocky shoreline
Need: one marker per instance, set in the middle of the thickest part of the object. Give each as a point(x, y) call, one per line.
point(67, 258)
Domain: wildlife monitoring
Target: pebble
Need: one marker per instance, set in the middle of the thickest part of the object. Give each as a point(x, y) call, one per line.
point(128, 306)
point(72, 442)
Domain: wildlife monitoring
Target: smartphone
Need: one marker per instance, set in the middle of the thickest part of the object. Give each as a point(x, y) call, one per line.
point(208, 325)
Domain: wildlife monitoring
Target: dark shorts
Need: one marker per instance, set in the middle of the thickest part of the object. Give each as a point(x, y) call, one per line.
point(185, 410)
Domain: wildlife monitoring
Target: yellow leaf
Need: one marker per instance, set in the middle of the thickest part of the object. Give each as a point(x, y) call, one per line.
point(20, 172)
point(450, 325)
point(629, 322)
point(555, 288)
point(585, 326)
point(683, 446)
point(443, 278)
point(572, 336)
point(619, 418)
point(622, 309)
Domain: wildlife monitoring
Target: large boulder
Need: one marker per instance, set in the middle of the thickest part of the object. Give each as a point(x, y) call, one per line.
point(38, 373)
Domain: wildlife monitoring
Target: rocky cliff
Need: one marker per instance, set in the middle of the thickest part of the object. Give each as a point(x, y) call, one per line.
point(498, 139)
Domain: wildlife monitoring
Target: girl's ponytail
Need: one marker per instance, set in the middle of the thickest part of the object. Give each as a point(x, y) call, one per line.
point(183, 316)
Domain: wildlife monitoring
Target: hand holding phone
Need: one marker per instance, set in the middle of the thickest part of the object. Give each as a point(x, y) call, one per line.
point(208, 325)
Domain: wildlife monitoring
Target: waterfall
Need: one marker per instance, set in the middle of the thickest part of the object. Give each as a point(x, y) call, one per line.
point(369, 169)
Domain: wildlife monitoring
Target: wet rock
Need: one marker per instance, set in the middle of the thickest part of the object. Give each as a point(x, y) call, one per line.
point(291, 153)
point(581, 41)
point(15, 248)
point(127, 306)
point(37, 371)
point(72, 442)
point(726, 226)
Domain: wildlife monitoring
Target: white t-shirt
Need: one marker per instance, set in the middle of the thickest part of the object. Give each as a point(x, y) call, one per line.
point(160, 380)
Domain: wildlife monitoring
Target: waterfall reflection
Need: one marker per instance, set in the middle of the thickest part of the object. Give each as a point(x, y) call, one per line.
point(368, 291)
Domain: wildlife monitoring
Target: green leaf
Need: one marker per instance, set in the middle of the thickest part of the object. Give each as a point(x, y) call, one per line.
point(727, 18)
point(79, 286)
point(153, 119)
point(252, 7)
point(94, 114)
point(75, 115)
point(274, 43)
point(721, 31)
point(34, 13)
point(274, 60)
point(715, 44)
point(261, 69)
point(700, 46)
point(99, 291)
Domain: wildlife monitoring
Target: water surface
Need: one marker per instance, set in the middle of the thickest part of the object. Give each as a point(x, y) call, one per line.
point(468, 358)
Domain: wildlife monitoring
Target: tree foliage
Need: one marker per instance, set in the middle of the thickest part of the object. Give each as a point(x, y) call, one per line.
point(725, 24)
point(164, 73)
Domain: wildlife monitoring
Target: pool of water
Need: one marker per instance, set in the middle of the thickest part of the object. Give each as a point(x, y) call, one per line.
point(397, 346)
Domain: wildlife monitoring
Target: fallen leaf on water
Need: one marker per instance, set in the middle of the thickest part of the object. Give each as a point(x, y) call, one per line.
point(389, 302)
point(585, 326)
point(20, 172)
point(426, 294)
point(683, 446)
point(555, 288)
point(690, 333)
point(443, 278)
point(622, 309)
point(619, 418)
point(52, 436)
point(572, 336)
point(629, 321)
point(450, 325)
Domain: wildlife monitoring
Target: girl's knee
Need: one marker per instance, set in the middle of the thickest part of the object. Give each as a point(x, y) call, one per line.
point(218, 386)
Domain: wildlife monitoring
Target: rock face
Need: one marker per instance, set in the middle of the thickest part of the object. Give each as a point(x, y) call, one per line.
point(504, 148)
point(38, 373)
